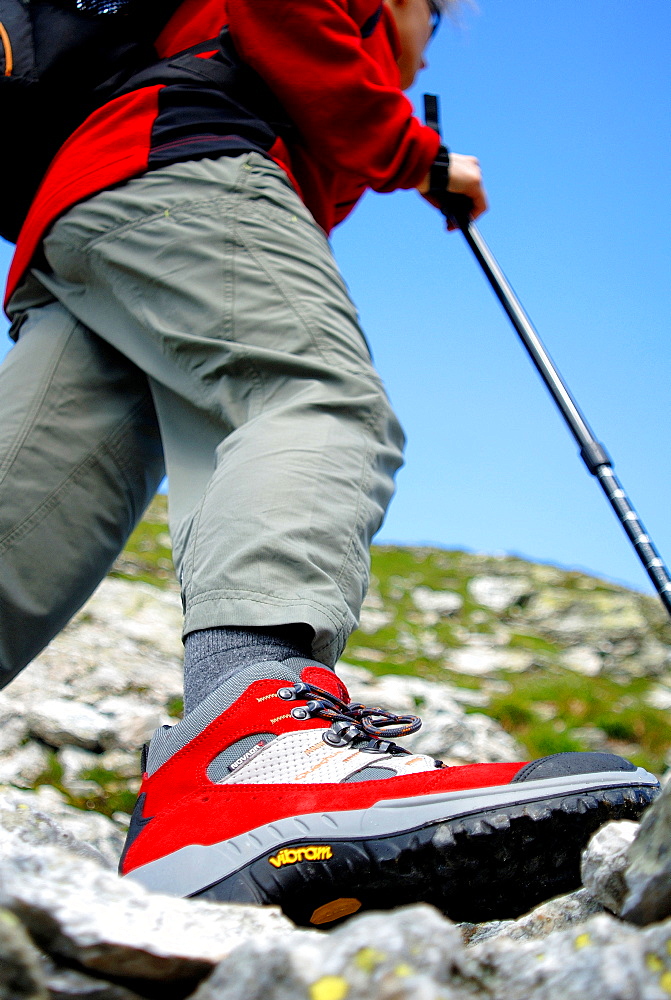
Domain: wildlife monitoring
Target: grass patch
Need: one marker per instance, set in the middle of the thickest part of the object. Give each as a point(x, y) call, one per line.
point(575, 701)
point(147, 557)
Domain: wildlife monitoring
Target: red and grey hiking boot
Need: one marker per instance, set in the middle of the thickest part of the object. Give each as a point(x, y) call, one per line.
point(277, 789)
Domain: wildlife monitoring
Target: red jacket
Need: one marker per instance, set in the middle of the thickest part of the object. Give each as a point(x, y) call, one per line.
point(331, 64)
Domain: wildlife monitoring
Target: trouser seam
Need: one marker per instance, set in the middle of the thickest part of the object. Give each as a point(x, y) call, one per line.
point(253, 596)
point(29, 421)
point(52, 500)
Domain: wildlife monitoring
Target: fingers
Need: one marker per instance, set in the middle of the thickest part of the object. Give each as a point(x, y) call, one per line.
point(466, 178)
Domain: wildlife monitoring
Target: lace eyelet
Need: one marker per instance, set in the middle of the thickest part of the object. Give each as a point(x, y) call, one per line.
point(300, 713)
point(334, 739)
point(287, 694)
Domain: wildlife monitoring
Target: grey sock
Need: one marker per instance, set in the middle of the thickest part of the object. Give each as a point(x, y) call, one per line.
point(213, 656)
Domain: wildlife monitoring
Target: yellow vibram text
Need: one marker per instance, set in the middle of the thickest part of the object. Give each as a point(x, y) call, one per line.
point(290, 855)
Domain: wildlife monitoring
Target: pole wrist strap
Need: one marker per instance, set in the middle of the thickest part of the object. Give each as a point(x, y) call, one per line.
point(440, 174)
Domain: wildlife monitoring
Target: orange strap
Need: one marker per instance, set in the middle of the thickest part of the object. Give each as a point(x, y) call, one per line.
point(7, 46)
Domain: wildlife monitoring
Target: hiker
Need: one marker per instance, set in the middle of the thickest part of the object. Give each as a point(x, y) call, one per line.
point(177, 308)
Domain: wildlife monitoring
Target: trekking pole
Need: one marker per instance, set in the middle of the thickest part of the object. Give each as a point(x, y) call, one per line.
point(594, 455)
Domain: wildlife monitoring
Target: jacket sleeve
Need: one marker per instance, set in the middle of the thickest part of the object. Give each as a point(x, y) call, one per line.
point(345, 102)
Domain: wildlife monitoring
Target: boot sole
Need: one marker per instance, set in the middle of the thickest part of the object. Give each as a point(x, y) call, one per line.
point(487, 854)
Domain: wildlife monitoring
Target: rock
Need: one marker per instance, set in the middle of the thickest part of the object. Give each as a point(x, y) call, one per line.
point(44, 817)
point(70, 984)
point(436, 602)
point(659, 696)
point(499, 592)
point(403, 954)
point(133, 721)
point(41, 820)
point(75, 761)
point(372, 620)
point(143, 613)
point(84, 914)
point(106, 651)
point(13, 725)
point(562, 911)
point(21, 975)
point(582, 659)
point(415, 954)
point(480, 658)
point(24, 766)
point(648, 876)
point(601, 959)
point(586, 617)
point(605, 860)
point(61, 722)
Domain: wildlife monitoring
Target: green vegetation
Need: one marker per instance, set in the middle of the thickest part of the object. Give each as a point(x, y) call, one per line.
point(109, 792)
point(148, 553)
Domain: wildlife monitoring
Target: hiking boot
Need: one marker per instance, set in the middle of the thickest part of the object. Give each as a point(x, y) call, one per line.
point(278, 790)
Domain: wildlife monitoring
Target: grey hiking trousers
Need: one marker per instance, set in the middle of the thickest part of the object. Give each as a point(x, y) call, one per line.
point(191, 320)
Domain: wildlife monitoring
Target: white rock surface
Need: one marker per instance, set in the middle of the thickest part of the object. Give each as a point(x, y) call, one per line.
point(24, 765)
point(82, 913)
point(42, 817)
point(498, 592)
point(414, 953)
point(61, 721)
point(437, 602)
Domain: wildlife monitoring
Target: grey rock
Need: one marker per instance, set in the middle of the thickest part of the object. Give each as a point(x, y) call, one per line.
point(71, 984)
point(587, 617)
point(38, 820)
point(413, 953)
point(125, 640)
point(479, 657)
point(409, 953)
point(604, 862)
point(24, 766)
point(562, 911)
point(499, 592)
point(373, 619)
point(21, 975)
point(133, 721)
point(648, 876)
point(436, 603)
point(85, 914)
point(76, 762)
point(583, 659)
point(13, 725)
point(659, 696)
point(61, 722)
point(602, 959)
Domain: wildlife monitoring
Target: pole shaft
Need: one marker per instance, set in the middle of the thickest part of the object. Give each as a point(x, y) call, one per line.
point(529, 337)
point(594, 455)
point(630, 521)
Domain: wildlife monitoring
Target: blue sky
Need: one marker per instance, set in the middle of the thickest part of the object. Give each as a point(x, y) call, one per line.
point(568, 106)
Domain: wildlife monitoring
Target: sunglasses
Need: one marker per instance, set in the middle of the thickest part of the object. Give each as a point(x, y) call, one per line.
point(435, 16)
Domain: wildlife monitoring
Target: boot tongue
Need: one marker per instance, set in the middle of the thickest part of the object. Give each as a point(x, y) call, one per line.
point(324, 678)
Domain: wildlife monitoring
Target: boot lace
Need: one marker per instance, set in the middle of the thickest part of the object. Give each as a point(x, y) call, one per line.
point(367, 729)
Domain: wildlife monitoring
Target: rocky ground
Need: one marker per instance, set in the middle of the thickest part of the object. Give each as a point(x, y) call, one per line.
point(501, 658)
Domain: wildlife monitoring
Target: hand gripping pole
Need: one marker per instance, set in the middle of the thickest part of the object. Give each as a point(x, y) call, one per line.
point(593, 454)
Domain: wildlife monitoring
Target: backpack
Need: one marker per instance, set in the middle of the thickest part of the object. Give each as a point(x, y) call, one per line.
point(59, 61)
